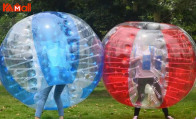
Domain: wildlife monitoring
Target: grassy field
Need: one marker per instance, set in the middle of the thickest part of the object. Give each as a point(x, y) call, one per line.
point(99, 105)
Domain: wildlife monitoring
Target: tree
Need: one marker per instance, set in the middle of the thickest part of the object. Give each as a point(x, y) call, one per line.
point(102, 15)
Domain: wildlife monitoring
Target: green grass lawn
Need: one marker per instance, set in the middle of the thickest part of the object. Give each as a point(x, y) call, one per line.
point(99, 105)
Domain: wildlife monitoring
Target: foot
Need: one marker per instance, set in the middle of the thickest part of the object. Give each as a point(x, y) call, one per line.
point(135, 117)
point(61, 117)
point(170, 117)
point(36, 117)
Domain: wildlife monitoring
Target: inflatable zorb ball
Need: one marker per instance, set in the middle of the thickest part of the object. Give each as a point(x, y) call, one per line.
point(148, 65)
point(48, 49)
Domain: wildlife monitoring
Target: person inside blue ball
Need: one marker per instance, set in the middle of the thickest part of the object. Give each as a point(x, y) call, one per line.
point(55, 60)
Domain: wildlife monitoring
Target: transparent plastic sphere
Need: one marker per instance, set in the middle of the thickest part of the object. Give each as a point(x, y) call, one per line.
point(148, 65)
point(48, 49)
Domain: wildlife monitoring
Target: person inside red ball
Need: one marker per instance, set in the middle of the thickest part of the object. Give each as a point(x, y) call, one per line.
point(148, 69)
point(148, 83)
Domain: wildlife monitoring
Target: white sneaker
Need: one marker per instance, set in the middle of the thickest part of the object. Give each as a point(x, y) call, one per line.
point(168, 117)
point(135, 117)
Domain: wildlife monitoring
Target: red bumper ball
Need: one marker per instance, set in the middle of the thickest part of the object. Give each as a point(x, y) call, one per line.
point(149, 65)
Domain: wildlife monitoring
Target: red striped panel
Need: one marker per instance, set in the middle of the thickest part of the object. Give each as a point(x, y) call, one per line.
point(116, 62)
point(181, 66)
